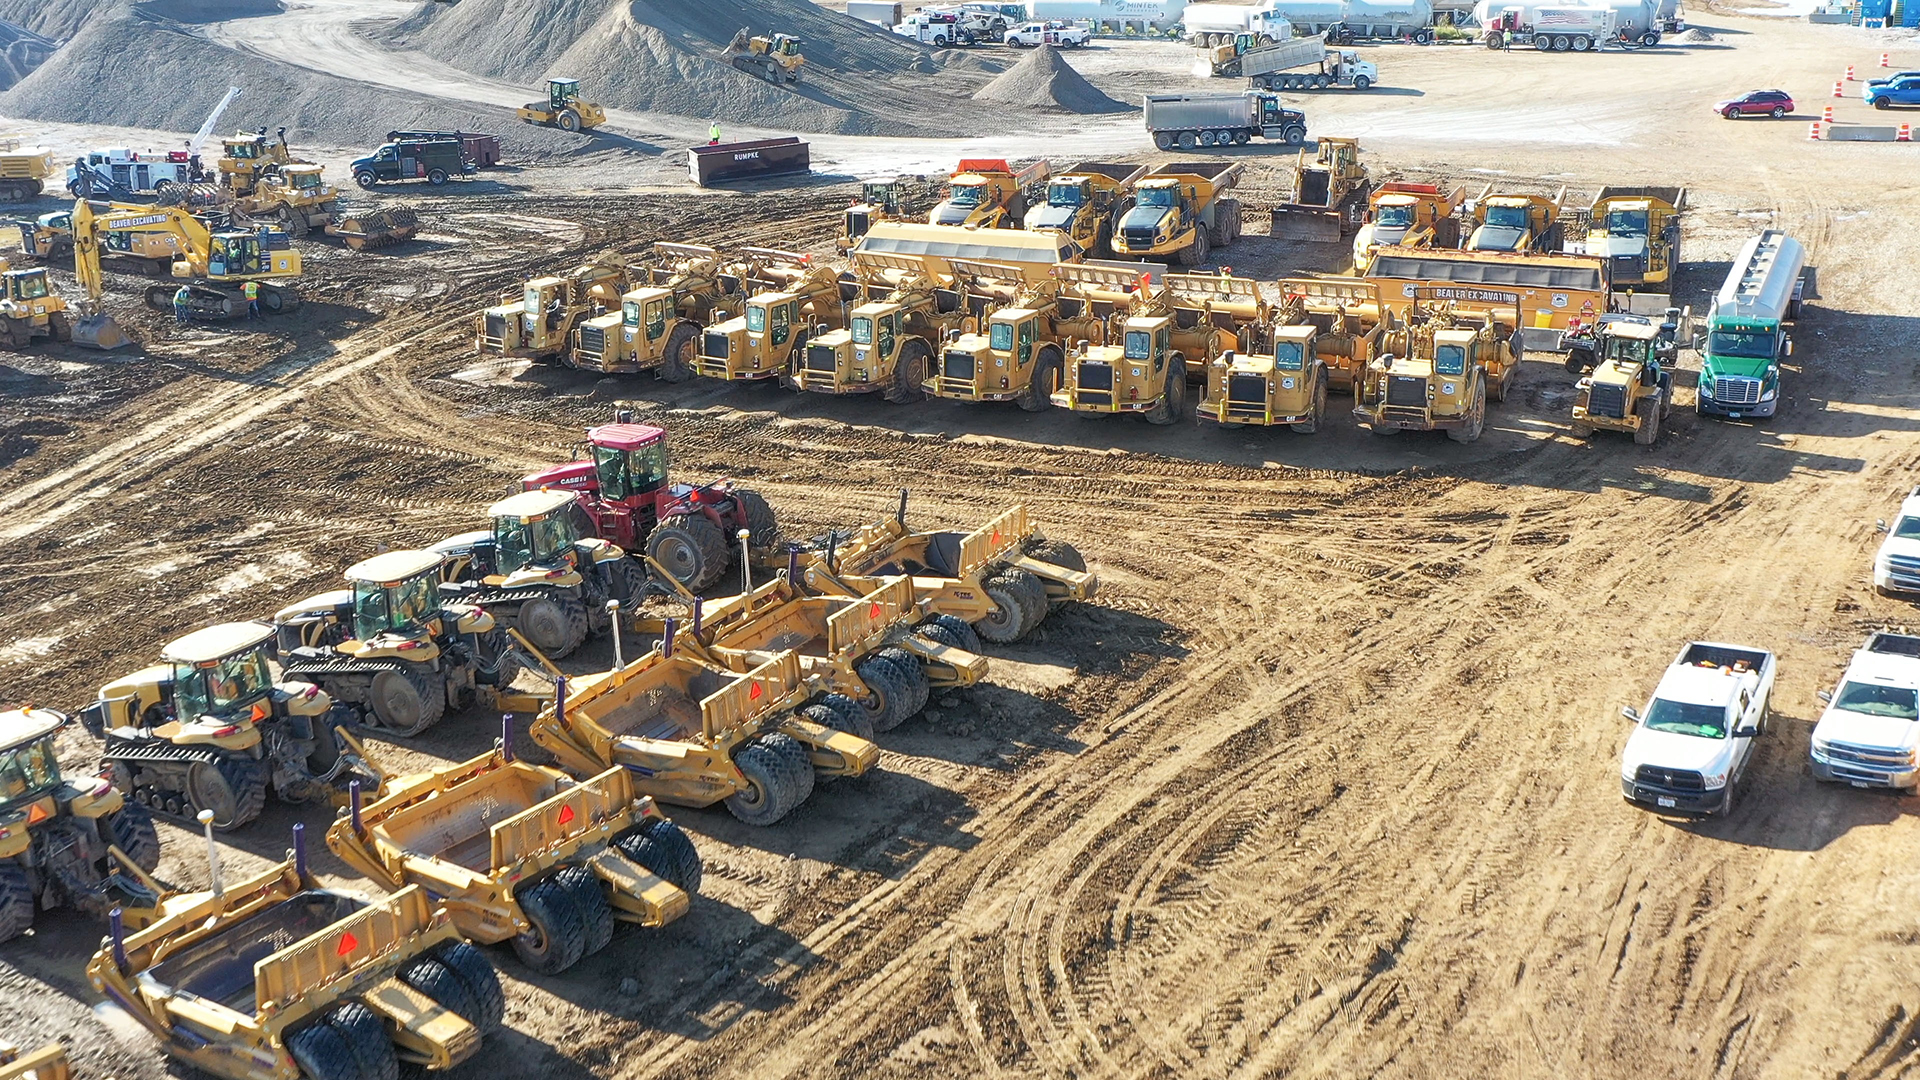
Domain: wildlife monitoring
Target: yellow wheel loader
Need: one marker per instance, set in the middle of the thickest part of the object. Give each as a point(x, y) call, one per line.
point(521, 853)
point(1628, 361)
point(563, 108)
point(391, 645)
point(539, 572)
point(657, 327)
point(47, 1063)
point(692, 732)
point(274, 977)
point(996, 583)
point(1330, 193)
point(209, 729)
point(1132, 366)
point(65, 843)
point(1437, 372)
point(538, 323)
point(775, 57)
point(792, 300)
point(888, 344)
point(988, 193)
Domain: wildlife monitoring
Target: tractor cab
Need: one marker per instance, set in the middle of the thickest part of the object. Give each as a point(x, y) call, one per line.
point(220, 674)
point(536, 532)
point(880, 200)
point(784, 45)
point(305, 179)
point(28, 768)
point(26, 286)
point(396, 593)
point(562, 92)
point(630, 461)
point(1129, 377)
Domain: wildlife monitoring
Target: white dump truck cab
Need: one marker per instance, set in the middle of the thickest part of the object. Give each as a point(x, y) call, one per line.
point(1869, 735)
point(1692, 742)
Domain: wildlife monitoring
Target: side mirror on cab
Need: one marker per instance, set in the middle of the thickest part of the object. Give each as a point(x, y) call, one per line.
point(1824, 695)
point(1631, 713)
point(1746, 732)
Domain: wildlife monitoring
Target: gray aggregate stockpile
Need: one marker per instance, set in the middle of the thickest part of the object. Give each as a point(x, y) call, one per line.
point(21, 50)
point(1044, 80)
point(127, 71)
point(56, 19)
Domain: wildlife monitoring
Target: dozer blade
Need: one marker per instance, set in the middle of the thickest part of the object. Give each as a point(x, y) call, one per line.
point(379, 228)
point(100, 332)
point(1308, 226)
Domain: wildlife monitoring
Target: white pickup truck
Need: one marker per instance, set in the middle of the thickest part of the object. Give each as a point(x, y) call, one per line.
point(1058, 34)
point(1870, 734)
point(1692, 743)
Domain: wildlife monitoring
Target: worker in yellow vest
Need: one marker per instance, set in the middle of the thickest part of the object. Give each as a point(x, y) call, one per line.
point(252, 292)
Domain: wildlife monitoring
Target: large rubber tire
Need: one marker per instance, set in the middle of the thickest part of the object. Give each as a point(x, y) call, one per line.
point(366, 179)
point(1059, 553)
point(683, 344)
point(665, 849)
point(839, 712)
point(437, 177)
point(1477, 410)
point(887, 694)
point(408, 701)
point(1173, 395)
point(234, 788)
point(1648, 409)
point(591, 901)
point(951, 631)
point(558, 937)
point(919, 689)
point(764, 801)
point(908, 373)
point(1032, 595)
point(367, 1039)
point(482, 983)
point(568, 120)
point(323, 1053)
point(763, 526)
point(435, 978)
point(794, 760)
point(691, 548)
point(16, 901)
point(556, 624)
point(1007, 622)
point(131, 829)
point(1044, 380)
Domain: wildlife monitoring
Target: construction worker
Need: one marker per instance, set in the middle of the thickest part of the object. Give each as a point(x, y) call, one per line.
point(182, 297)
point(713, 133)
point(1506, 40)
point(251, 290)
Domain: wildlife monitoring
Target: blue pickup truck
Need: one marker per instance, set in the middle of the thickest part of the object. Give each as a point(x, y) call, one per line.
point(1902, 91)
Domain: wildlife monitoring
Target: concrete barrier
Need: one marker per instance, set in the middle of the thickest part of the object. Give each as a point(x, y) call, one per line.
point(1858, 133)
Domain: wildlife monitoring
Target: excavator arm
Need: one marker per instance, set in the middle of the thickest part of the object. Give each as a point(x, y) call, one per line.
point(95, 329)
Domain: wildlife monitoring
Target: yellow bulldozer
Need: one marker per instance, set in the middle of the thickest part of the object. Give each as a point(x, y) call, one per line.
point(1330, 192)
point(1458, 348)
point(30, 308)
point(775, 57)
point(793, 300)
point(563, 108)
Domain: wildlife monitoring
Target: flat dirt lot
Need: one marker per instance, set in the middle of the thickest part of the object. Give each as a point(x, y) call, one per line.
point(1325, 783)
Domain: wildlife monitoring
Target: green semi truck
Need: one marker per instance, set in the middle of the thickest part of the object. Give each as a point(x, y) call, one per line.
point(1746, 329)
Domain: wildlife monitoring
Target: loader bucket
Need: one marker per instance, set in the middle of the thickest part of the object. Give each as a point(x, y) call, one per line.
point(1309, 226)
point(378, 228)
point(100, 332)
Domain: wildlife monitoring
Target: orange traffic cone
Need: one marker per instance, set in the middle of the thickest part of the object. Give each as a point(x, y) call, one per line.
point(1850, 77)
point(1837, 92)
point(1905, 134)
point(1813, 132)
point(1826, 115)
point(1883, 60)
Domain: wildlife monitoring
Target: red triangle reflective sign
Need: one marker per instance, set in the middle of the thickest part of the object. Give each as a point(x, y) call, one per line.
point(566, 814)
point(348, 943)
point(874, 611)
point(754, 694)
point(37, 815)
point(260, 712)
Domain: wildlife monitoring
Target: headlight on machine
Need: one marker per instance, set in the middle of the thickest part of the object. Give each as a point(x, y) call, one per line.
point(1714, 781)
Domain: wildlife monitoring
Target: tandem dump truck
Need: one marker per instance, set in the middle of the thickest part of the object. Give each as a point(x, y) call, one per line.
point(1191, 120)
point(1299, 64)
point(1746, 328)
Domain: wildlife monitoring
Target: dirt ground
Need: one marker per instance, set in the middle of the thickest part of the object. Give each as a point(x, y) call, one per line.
point(1325, 781)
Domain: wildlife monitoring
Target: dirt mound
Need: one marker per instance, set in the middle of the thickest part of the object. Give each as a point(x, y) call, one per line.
point(1696, 34)
point(1044, 80)
point(158, 79)
point(56, 19)
point(21, 51)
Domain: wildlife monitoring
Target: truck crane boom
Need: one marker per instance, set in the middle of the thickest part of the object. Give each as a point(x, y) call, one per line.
point(213, 119)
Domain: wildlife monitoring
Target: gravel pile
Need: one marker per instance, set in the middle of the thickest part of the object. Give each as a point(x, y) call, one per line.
point(1696, 34)
point(155, 76)
point(1044, 80)
point(21, 50)
point(56, 19)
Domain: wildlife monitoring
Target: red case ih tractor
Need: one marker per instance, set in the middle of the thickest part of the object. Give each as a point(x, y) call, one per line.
point(690, 531)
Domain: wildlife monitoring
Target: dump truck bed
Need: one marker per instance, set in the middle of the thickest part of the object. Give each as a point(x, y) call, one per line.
point(1221, 174)
point(1675, 197)
point(1118, 172)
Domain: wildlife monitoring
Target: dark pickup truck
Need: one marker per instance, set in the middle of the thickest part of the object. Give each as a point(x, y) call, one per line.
point(481, 149)
point(433, 160)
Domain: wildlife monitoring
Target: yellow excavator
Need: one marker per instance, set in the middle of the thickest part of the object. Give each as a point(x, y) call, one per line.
point(214, 266)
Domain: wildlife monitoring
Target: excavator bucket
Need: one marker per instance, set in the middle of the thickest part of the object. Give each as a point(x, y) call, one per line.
point(100, 332)
point(1306, 224)
point(378, 228)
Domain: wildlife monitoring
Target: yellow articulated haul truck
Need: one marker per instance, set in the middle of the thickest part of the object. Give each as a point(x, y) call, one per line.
point(1086, 202)
point(522, 853)
point(1516, 223)
point(791, 300)
point(691, 732)
point(539, 322)
point(273, 977)
point(1408, 216)
point(1458, 349)
point(988, 193)
point(657, 325)
point(1637, 231)
point(1180, 212)
point(888, 344)
point(1132, 366)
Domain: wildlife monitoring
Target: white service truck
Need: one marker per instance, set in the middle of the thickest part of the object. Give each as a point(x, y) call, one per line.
point(1869, 735)
point(1299, 64)
point(1692, 742)
point(1061, 35)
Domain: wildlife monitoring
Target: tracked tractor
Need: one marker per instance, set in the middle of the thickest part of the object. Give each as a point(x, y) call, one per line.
point(208, 729)
point(76, 844)
point(563, 108)
point(1439, 370)
point(880, 200)
point(657, 327)
point(1016, 352)
point(792, 300)
point(996, 583)
point(541, 571)
point(1132, 366)
point(274, 977)
point(1085, 201)
point(888, 345)
point(539, 323)
point(393, 646)
point(31, 309)
point(521, 853)
point(692, 732)
point(775, 57)
point(690, 532)
point(1630, 386)
point(988, 193)
point(1330, 193)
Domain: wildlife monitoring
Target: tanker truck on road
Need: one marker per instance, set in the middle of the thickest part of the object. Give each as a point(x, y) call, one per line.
point(1746, 329)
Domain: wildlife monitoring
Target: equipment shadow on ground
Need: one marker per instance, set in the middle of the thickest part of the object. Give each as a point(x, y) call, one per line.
point(1780, 806)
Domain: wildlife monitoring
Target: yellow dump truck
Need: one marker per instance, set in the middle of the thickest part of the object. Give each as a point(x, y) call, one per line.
point(988, 193)
point(1180, 212)
point(1086, 201)
point(658, 323)
point(1516, 223)
point(1408, 216)
point(692, 732)
point(1637, 231)
point(23, 171)
point(273, 977)
point(791, 299)
point(521, 853)
point(1438, 371)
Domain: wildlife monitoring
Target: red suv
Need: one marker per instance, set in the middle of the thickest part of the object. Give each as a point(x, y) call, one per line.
point(1774, 103)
